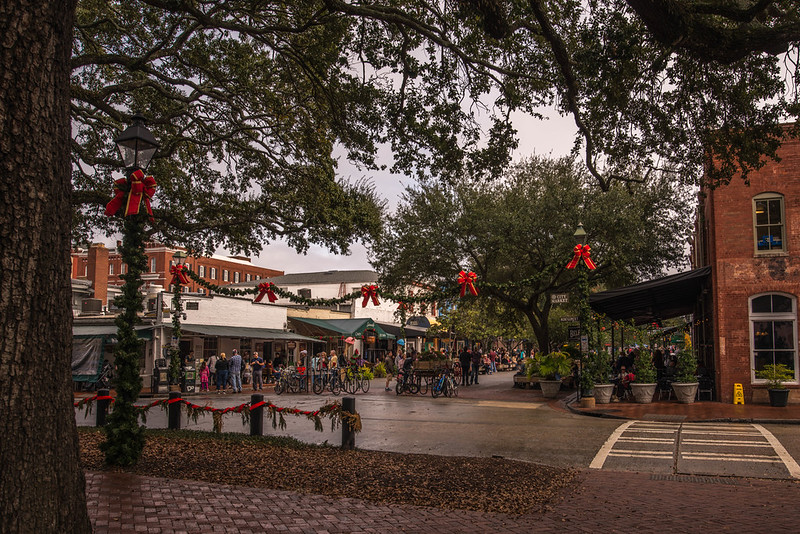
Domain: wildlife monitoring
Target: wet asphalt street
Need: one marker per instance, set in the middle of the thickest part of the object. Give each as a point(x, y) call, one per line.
point(493, 419)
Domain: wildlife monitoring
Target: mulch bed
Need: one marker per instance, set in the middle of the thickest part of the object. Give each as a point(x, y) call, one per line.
point(480, 484)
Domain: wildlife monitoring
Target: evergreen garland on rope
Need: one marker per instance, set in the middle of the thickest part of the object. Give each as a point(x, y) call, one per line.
point(124, 437)
point(432, 296)
point(174, 351)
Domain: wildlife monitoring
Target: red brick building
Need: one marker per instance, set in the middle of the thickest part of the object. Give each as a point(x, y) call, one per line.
point(750, 237)
point(103, 267)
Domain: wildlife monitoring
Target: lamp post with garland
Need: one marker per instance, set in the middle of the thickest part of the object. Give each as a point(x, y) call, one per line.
point(581, 254)
point(178, 281)
point(124, 437)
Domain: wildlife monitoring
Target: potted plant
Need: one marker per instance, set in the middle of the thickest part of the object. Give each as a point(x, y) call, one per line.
point(685, 385)
point(601, 367)
point(644, 382)
point(552, 367)
point(775, 375)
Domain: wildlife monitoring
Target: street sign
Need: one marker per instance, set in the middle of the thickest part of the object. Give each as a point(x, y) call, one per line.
point(584, 343)
point(569, 319)
point(574, 333)
point(559, 298)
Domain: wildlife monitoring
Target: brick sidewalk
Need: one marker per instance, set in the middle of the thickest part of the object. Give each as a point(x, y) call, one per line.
point(599, 501)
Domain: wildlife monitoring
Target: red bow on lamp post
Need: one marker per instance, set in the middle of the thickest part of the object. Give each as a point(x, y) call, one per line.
point(369, 292)
point(139, 187)
point(582, 251)
point(265, 288)
point(178, 273)
point(467, 280)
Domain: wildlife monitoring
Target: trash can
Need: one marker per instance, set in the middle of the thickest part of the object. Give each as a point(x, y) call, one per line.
point(189, 382)
point(160, 380)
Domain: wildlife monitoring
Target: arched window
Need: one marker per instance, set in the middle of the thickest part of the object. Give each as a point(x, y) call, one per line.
point(773, 331)
point(769, 228)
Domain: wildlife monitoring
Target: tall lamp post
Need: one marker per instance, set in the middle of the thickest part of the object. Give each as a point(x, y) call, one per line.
point(178, 272)
point(582, 252)
point(125, 438)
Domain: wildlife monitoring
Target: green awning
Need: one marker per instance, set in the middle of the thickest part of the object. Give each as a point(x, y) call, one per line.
point(343, 327)
point(244, 332)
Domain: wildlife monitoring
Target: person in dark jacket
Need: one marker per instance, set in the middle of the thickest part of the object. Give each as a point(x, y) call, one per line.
point(465, 358)
point(222, 372)
point(476, 358)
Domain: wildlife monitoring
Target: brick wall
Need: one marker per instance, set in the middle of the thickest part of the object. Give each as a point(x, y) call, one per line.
point(738, 273)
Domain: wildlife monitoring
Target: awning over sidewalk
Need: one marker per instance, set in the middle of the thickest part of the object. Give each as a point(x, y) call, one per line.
point(410, 330)
point(342, 327)
point(108, 330)
point(244, 332)
point(654, 300)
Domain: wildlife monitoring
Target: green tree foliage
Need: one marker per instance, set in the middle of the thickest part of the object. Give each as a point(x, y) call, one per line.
point(251, 99)
point(483, 320)
point(516, 234)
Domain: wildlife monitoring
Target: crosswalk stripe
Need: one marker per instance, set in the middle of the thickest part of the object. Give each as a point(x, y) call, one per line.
point(723, 456)
point(715, 433)
point(661, 455)
point(726, 443)
point(788, 461)
point(774, 460)
point(602, 454)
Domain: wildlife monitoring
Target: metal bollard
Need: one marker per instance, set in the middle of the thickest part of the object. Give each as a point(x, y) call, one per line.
point(256, 415)
point(348, 436)
point(174, 411)
point(102, 407)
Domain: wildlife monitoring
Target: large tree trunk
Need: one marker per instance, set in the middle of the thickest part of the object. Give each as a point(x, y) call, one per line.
point(41, 482)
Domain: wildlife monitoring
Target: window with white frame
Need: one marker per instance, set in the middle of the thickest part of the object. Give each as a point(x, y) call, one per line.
point(201, 271)
point(213, 273)
point(152, 265)
point(247, 277)
point(768, 223)
point(773, 331)
point(236, 277)
point(110, 268)
point(225, 275)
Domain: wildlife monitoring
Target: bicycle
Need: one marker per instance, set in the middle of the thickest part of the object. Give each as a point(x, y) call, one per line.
point(327, 380)
point(407, 382)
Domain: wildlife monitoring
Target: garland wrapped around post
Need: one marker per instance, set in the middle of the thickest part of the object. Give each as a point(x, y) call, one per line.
point(124, 437)
point(174, 351)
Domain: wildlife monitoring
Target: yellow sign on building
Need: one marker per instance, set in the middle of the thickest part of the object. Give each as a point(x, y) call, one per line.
point(738, 394)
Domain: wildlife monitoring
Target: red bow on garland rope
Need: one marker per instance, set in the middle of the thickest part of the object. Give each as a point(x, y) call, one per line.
point(178, 273)
point(369, 292)
point(403, 306)
point(467, 280)
point(265, 288)
point(583, 251)
point(139, 186)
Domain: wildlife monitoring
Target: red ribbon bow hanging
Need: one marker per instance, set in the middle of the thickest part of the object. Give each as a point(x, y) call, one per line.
point(265, 288)
point(582, 251)
point(369, 292)
point(467, 280)
point(404, 306)
point(139, 187)
point(178, 273)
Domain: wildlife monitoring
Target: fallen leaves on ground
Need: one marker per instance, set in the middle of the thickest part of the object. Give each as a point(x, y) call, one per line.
point(450, 482)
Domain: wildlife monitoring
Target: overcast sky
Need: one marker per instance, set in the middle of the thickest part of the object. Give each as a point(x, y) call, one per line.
point(554, 136)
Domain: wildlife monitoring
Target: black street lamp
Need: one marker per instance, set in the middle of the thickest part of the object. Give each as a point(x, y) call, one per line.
point(581, 251)
point(136, 144)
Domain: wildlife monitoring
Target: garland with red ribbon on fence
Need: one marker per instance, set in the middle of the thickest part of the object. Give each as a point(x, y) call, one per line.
point(332, 411)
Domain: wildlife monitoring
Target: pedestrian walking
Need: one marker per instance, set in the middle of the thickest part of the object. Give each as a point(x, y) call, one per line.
point(204, 376)
point(388, 363)
point(257, 364)
point(475, 358)
point(464, 358)
point(235, 370)
point(222, 373)
point(212, 370)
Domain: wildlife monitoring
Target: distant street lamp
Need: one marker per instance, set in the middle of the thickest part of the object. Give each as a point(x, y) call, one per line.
point(179, 279)
point(581, 252)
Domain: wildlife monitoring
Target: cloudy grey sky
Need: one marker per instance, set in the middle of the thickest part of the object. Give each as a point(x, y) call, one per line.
point(554, 136)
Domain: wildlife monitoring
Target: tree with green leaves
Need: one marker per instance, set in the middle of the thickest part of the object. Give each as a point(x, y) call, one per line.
point(482, 320)
point(516, 235)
